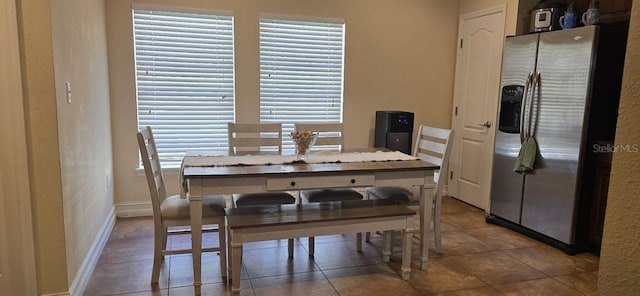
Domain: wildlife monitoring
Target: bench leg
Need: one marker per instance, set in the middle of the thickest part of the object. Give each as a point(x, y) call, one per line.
point(407, 234)
point(236, 266)
point(312, 246)
point(290, 246)
point(359, 242)
point(386, 242)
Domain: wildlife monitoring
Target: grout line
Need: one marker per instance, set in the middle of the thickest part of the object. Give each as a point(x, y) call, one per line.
point(570, 287)
point(330, 283)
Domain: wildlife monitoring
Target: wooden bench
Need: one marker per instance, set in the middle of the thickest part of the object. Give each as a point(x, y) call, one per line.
point(252, 224)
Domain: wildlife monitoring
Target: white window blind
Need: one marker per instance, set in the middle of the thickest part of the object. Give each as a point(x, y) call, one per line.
point(301, 73)
point(184, 79)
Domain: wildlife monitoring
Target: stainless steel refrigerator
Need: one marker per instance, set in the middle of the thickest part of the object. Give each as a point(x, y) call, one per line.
point(550, 86)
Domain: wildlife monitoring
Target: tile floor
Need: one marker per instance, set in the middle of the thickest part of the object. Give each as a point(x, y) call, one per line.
point(478, 259)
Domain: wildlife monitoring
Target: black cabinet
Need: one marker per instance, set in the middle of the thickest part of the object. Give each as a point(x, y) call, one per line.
point(611, 11)
point(602, 170)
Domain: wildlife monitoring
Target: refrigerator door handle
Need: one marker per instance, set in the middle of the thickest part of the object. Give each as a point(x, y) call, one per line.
point(523, 104)
point(535, 84)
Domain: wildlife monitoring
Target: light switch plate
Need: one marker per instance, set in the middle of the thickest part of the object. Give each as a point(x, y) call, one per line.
point(68, 88)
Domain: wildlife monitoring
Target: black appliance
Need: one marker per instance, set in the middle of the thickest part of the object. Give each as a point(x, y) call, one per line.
point(545, 16)
point(394, 130)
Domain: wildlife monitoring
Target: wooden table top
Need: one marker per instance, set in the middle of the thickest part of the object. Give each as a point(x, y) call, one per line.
point(303, 169)
point(246, 217)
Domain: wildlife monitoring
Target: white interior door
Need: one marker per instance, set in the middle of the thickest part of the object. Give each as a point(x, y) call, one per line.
point(476, 94)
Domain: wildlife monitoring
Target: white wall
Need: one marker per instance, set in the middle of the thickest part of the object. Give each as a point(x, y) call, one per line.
point(399, 55)
point(84, 127)
point(68, 146)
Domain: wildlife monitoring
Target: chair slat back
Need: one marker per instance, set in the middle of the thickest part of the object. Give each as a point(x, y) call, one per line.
point(248, 138)
point(329, 134)
point(152, 169)
point(434, 145)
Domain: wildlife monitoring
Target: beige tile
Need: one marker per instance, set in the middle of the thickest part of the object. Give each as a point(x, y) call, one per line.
point(484, 291)
point(129, 277)
point(344, 254)
point(181, 270)
point(499, 238)
point(369, 280)
point(132, 228)
point(460, 243)
point(442, 275)
point(183, 241)
point(276, 261)
point(466, 220)
point(586, 283)
point(164, 292)
point(451, 205)
point(130, 240)
point(554, 262)
point(444, 226)
point(542, 287)
point(496, 268)
point(219, 289)
point(122, 250)
point(311, 283)
point(468, 263)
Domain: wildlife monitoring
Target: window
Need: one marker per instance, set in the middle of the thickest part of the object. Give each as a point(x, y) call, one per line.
point(301, 73)
point(184, 79)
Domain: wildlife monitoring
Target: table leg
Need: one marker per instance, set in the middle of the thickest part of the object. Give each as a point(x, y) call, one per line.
point(195, 204)
point(407, 235)
point(236, 265)
point(222, 240)
point(426, 205)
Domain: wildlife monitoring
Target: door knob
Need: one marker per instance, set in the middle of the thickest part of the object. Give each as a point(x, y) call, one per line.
point(486, 124)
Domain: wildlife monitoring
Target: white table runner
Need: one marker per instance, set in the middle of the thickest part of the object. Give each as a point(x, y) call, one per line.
point(318, 157)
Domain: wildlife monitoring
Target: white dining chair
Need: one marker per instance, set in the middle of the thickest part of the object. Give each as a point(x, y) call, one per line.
point(329, 137)
point(173, 211)
point(433, 145)
point(258, 138)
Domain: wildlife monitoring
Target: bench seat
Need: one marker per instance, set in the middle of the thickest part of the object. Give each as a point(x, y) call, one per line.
point(263, 223)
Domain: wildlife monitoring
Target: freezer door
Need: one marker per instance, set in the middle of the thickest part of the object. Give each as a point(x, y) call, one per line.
point(564, 63)
point(506, 186)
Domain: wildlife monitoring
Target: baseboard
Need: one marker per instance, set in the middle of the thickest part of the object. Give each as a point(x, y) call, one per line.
point(88, 265)
point(138, 209)
point(57, 294)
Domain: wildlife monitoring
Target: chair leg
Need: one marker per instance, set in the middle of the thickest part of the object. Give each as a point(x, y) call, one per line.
point(159, 239)
point(222, 243)
point(165, 236)
point(367, 236)
point(436, 225)
point(312, 246)
point(290, 246)
point(359, 241)
point(386, 243)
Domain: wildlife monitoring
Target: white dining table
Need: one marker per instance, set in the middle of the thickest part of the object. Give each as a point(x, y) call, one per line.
point(202, 178)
